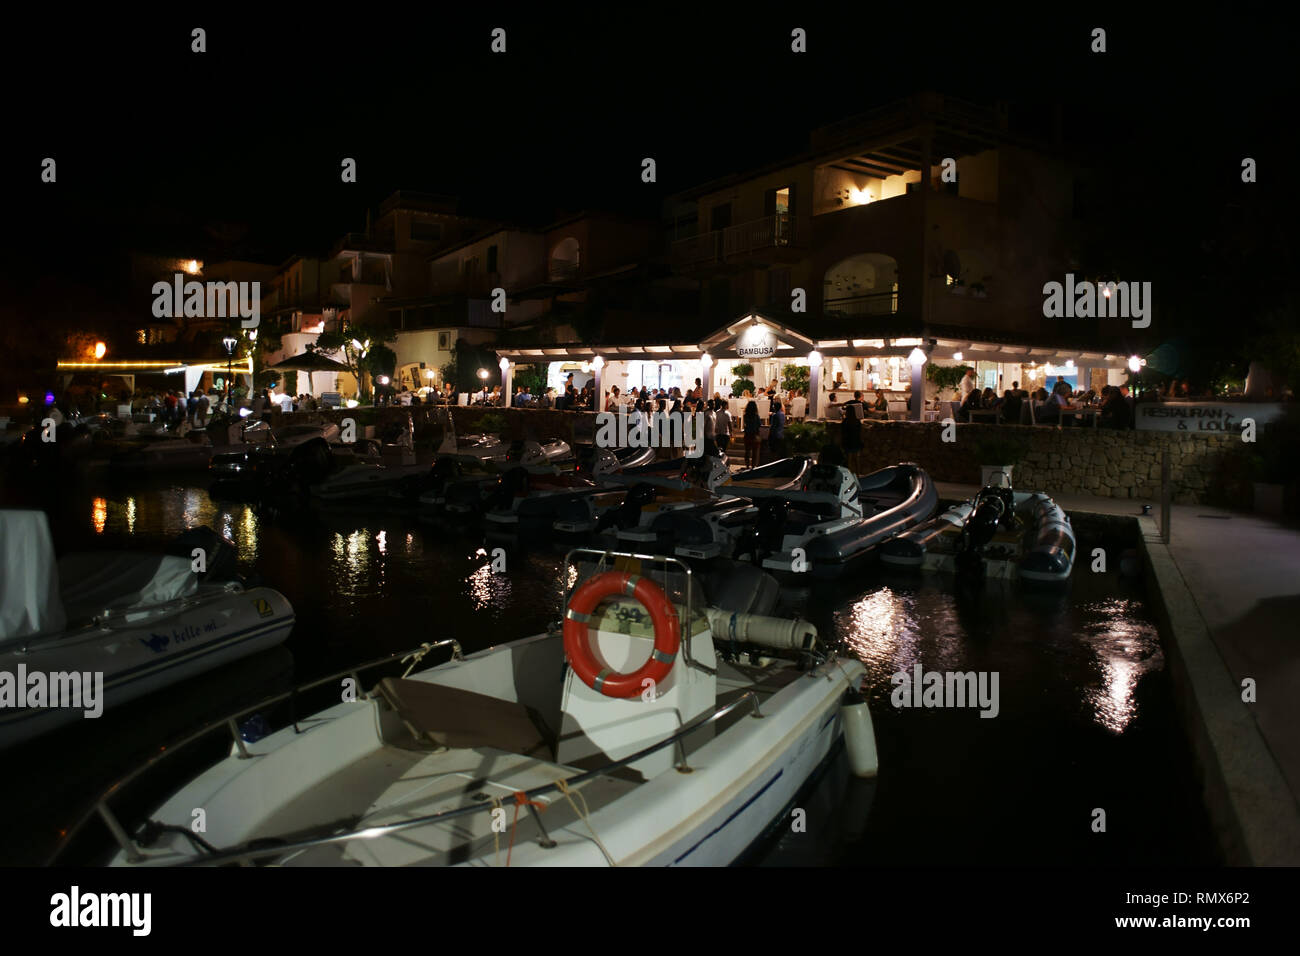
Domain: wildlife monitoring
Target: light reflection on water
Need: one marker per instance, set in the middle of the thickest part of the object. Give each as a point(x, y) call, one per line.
point(1093, 647)
point(1097, 651)
point(1125, 649)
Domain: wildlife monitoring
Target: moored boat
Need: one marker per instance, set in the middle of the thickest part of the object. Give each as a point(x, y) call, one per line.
point(449, 765)
point(132, 623)
point(1000, 533)
point(835, 518)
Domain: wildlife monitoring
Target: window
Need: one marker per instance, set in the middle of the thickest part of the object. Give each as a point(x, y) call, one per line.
point(492, 259)
point(444, 341)
point(426, 231)
point(720, 217)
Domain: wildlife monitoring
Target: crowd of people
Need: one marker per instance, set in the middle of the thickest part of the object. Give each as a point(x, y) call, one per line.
point(1113, 404)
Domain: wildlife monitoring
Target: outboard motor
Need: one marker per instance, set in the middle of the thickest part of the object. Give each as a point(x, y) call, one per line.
point(511, 485)
point(308, 464)
point(628, 514)
point(767, 533)
point(836, 480)
point(708, 471)
point(443, 471)
point(526, 453)
point(603, 462)
point(991, 508)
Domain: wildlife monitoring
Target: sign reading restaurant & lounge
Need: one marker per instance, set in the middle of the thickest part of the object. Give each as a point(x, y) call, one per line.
point(1211, 417)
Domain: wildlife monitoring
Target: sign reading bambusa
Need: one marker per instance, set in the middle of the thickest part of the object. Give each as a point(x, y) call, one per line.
point(756, 343)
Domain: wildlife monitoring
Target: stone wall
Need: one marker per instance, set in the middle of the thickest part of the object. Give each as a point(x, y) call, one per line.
point(1109, 463)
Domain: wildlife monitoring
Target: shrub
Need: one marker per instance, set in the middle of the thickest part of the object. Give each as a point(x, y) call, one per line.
point(493, 423)
point(946, 376)
point(739, 385)
point(795, 377)
point(806, 436)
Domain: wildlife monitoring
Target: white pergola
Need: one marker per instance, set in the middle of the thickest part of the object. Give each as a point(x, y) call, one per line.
point(756, 335)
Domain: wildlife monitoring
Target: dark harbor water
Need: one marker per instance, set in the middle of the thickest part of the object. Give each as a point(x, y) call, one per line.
point(1086, 715)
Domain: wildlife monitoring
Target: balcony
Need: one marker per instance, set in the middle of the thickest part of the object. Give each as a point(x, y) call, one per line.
point(771, 232)
point(877, 303)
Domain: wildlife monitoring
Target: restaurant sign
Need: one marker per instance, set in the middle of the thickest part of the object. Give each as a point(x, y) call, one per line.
point(756, 343)
point(1212, 418)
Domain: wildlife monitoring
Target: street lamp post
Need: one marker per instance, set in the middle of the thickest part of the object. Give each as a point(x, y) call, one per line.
point(229, 342)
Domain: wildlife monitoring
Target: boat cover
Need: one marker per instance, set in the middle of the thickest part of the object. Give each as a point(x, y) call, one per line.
point(103, 580)
point(29, 583)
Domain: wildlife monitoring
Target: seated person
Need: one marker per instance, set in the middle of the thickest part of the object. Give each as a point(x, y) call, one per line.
point(1011, 403)
point(969, 404)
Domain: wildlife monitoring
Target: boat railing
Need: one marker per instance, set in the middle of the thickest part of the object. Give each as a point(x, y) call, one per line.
point(603, 556)
point(246, 856)
point(103, 810)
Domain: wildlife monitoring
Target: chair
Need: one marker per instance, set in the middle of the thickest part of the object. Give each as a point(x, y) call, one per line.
point(898, 411)
point(798, 407)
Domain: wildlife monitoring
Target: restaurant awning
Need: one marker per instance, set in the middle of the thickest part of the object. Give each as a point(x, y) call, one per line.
point(310, 362)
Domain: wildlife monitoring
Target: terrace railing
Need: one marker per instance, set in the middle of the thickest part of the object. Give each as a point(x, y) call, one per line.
point(876, 303)
point(770, 232)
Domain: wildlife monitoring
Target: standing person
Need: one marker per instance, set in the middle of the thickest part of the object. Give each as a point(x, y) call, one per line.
point(710, 426)
point(776, 434)
point(851, 430)
point(169, 401)
point(967, 383)
point(721, 424)
point(753, 438)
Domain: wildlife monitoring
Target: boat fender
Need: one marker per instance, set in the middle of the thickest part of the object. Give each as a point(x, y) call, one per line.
point(859, 735)
point(577, 646)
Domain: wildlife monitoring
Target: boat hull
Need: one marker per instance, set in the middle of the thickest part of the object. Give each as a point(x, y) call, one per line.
point(139, 657)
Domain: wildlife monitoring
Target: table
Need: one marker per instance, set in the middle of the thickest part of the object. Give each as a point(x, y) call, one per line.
point(992, 414)
point(1090, 411)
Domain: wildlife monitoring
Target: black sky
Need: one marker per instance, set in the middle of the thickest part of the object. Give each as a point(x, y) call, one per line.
point(157, 145)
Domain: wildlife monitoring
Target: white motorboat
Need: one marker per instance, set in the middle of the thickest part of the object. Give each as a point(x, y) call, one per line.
point(112, 626)
point(652, 730)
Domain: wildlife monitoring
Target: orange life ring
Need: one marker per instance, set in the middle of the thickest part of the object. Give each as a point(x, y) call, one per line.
point(577, 647)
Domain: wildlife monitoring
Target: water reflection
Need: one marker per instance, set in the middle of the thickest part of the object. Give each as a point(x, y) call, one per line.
point(130, 516)
point(1125, 650)
point(486, 588)
point(99, 514)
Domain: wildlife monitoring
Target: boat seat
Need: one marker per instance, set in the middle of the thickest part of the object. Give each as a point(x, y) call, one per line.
point(461, 719)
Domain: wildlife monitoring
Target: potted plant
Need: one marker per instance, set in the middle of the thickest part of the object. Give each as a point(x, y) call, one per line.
point(946, 377)
point(999, 453)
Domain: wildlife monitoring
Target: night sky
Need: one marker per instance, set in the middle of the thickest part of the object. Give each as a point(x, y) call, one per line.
point(237, 151)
